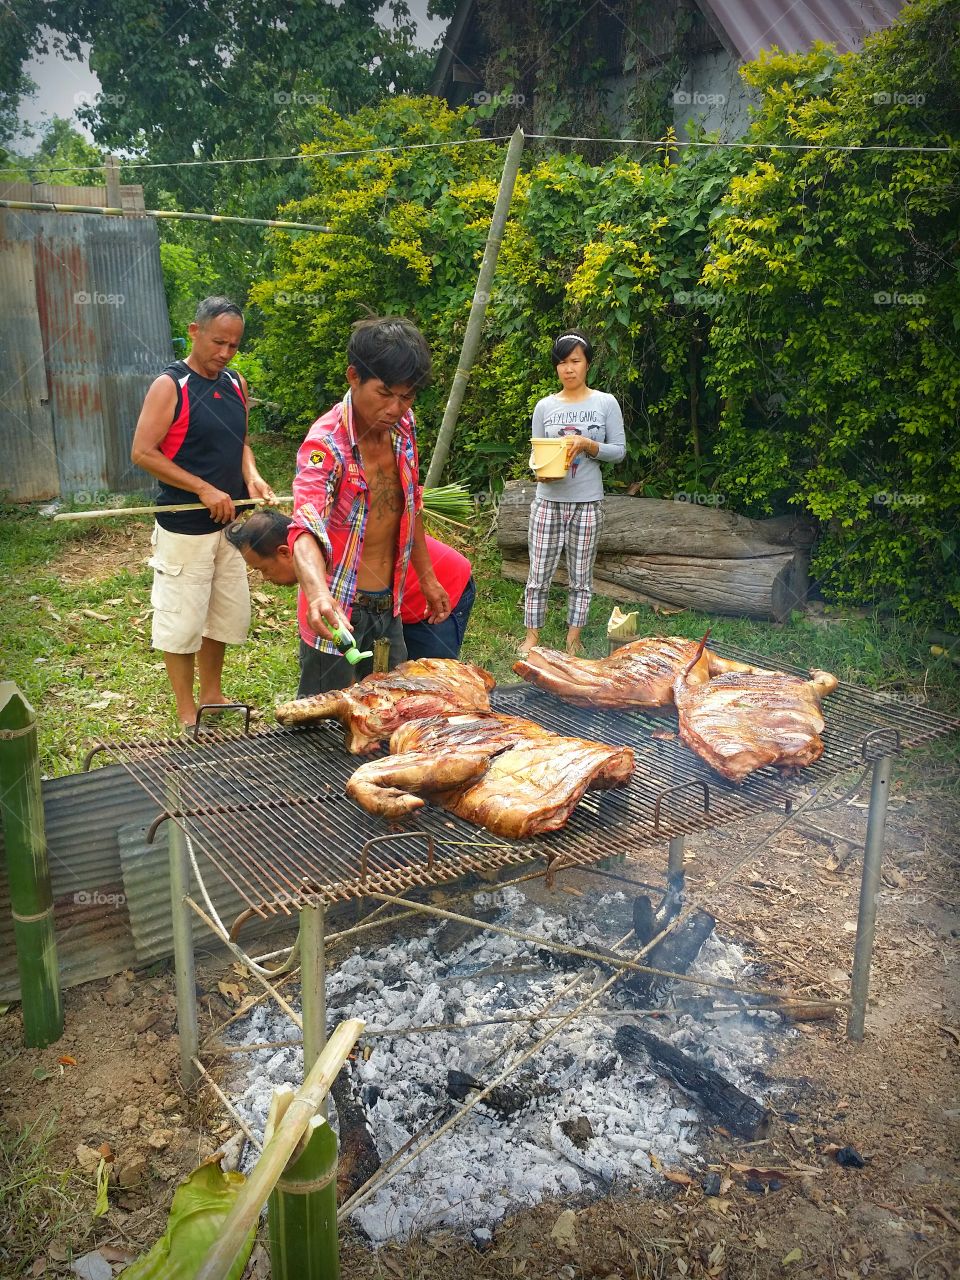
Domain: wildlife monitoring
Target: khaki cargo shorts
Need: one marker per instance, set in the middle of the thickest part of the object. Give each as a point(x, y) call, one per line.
point(199, 589)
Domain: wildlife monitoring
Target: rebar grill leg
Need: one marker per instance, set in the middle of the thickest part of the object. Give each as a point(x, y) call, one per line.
point(869, 888)
point(183, 958)
point(313, 995)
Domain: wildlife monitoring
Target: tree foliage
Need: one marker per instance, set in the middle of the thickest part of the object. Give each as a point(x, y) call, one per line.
point(63, 157)
point(835, 348)
point(737, 300)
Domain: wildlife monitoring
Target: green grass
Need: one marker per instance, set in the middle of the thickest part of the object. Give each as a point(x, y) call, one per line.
point(89, 676)
point(38, 1205)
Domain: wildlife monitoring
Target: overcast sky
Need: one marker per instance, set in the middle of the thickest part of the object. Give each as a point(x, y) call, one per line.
point(63, 84)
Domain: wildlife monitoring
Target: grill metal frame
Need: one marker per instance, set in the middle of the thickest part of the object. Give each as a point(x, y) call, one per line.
point(268, 809)
point(285, 796)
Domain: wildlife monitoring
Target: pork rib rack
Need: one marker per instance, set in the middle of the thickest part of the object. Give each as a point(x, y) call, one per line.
point(639, 674)
point(371, 709)
point(506, 774)
point(742, 721)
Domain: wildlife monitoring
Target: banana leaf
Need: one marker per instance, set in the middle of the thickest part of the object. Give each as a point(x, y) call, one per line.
point(200, 1205)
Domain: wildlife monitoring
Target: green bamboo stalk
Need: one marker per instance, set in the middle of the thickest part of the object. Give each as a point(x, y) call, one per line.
point(31, 897)
point(178, 215)
point(302, 1211)
point(276, 1153)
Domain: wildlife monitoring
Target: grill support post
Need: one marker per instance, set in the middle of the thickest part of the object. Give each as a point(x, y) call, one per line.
point(183, 957)
point(675, 859)
point(869, 889)
point(313, 993)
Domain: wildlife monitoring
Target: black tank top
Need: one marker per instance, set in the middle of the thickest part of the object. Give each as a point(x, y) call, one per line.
point(205, 438)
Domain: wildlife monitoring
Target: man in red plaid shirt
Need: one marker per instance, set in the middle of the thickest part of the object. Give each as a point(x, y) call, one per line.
point(357, 490)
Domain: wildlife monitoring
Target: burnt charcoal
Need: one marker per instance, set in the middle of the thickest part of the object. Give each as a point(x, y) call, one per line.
point(711, 1184)
point(579, 1131)
point(647, 921)
point(676, 952)
point(850, 1158)
point(370, 1095)
point(460, 1085)
point(606, 1068)
point(734, 1109)
point(564, 962)
point(755, 1185)
point(775, 1185)
point(358, 1159)
point(453, 934)
point(561, 961)
point(502, 1103)
point(643, 920)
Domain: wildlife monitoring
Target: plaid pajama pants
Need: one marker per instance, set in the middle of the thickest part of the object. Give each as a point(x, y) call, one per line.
point(555, 527)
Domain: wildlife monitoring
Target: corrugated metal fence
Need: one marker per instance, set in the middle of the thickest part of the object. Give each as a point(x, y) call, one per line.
point(83, 332)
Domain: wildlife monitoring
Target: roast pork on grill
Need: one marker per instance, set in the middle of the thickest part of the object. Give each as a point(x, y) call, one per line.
point(506, 774)
point(742, 721)
point(639, 674)
point(371, 709)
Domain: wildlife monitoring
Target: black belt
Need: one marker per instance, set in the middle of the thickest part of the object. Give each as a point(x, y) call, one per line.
point(374, 602)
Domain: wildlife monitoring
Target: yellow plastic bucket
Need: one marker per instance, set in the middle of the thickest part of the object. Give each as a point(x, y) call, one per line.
point(548, 458)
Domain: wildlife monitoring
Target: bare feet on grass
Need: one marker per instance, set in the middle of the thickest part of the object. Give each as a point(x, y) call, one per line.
point(574, 648)
point(529, 640)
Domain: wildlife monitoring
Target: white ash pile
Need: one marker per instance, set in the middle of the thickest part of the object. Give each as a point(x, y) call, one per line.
point(575, 1119)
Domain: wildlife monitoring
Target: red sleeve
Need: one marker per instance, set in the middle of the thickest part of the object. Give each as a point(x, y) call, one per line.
point(314, 491)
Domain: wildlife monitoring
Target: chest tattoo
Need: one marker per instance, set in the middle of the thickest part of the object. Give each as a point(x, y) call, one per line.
point(385, 494)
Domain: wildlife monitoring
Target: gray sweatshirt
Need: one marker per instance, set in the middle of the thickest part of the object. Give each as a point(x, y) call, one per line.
point(599, 418)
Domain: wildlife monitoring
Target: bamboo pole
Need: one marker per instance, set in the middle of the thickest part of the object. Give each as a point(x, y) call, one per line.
point(313, 983)
point(31, 896)
point(278, 1151)
point(302, 1210)
point(478, 308)
point(177, 215)
point(149, 511)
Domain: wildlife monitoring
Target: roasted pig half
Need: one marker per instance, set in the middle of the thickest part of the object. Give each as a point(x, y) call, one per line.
point(516, 778)
point(639, 674)
point(742, 721)
point(371, 709)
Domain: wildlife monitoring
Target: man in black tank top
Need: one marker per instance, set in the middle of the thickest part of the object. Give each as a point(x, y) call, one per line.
point(192, 437)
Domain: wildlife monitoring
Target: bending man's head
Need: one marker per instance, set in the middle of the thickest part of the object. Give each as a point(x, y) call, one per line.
point(262, 541)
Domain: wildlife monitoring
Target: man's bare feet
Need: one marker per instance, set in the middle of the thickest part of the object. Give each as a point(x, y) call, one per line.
point(529, 640)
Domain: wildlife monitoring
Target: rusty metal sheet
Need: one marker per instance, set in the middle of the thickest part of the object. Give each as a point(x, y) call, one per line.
point(83, 814)
point(28, 459)
point(103, 335)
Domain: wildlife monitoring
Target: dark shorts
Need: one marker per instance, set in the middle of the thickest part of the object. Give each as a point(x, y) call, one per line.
point(320, 672)
point(441, 639)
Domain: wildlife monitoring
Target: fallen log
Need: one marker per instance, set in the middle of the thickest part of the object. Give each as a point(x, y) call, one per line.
point(769, 587)
point(679, 553)
point(657, 526)
point(736, 1112)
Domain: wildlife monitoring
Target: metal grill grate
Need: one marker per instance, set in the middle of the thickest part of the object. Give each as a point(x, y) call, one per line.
point(268, 808)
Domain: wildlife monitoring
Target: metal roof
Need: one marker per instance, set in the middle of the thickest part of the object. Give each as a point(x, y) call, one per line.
point(794, 25)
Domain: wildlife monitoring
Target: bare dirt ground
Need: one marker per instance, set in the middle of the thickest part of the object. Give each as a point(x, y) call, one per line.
point(786, 1206)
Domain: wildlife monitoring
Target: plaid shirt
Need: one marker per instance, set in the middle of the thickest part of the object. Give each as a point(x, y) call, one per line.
point(330, 501)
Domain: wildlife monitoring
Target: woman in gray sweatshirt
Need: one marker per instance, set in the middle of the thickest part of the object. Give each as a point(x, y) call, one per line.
point(567, 513)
